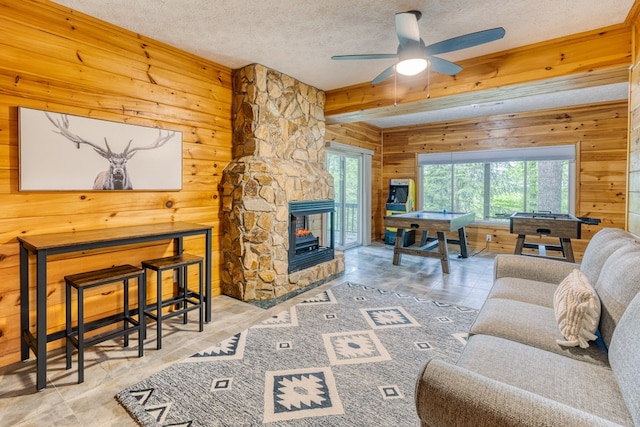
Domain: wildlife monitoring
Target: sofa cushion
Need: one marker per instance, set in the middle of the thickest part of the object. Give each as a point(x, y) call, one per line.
point(532, 268)
point(617, 285)
point(525, 290)
point(450, 395)
point(577, 309)
point(624, 356)
point(530, 324)
point(600, 247)
point(584, 386)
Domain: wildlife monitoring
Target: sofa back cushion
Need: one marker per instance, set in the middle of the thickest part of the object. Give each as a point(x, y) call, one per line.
point(618, 284)
point(624, 357)
point(600, 247)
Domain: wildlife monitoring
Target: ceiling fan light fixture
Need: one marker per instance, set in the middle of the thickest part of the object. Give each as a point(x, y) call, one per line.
point(413, 56)
point(412, 66)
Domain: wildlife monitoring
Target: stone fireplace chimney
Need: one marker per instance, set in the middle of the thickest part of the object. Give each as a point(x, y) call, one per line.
point(278, 157)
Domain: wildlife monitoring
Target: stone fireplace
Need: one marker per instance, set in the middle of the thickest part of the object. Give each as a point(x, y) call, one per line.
point(278, 161)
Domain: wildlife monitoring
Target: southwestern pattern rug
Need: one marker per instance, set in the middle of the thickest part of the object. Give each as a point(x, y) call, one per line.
point(349, 356)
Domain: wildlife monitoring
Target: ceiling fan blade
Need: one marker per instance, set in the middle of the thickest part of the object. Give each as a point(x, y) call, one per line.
point(367, 56)
point(383, 75)
point(466, 41)
point(407, 27)
point(443, 66)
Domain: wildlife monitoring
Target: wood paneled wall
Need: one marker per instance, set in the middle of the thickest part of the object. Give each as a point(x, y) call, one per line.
point(60, 60)
point(365, 136)
point(633, 220)
point(57, 59)
point(599, 131)
point(593, 58)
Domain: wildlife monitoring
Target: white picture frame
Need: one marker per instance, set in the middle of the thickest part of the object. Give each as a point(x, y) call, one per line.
point(64, 152)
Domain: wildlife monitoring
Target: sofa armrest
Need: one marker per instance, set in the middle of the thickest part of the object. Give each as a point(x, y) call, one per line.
point(532, 268)
point(448, 395)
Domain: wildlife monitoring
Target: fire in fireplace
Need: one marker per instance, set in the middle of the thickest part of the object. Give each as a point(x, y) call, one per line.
point(311, 235)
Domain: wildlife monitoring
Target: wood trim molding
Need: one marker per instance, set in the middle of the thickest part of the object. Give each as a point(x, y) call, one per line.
point(592, 58)
point(594, 78)
point(633, 14)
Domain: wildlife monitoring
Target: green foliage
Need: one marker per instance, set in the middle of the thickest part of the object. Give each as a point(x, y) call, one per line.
point(515, 186)
point(437, 187)
point(469, 188)
point(346, 171)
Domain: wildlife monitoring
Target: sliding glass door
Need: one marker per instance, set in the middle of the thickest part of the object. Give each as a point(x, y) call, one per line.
point(347, 179)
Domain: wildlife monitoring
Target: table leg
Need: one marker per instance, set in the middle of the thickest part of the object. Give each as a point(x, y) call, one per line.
point(159, 310)
point(207, 283)
point(397, 256)
point(567, 249)
point(462, 238)
point(178, 246)
point(41, 320)
point(424, 238)
point(444, 252)
point(178, 249)
point(519, 244)
point(142, 306)
point(24, 302)
point(564, 254)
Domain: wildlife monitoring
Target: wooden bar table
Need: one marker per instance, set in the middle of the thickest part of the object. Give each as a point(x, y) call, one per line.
point(44, 245)
point(425, 221)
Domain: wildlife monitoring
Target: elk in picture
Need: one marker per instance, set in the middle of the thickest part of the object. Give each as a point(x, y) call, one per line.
point(116, 177)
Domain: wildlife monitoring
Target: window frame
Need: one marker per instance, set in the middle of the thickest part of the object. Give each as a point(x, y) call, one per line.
point(558, 152)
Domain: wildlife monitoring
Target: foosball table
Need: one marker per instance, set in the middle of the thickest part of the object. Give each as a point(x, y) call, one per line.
point(563, 226)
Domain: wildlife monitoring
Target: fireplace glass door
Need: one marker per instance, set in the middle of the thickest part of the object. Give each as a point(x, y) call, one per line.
point(311, 233)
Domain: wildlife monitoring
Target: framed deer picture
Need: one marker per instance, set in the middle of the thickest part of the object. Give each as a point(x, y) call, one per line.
point(62, 152)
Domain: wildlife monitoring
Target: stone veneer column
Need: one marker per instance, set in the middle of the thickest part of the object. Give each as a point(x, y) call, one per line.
point(278, 157)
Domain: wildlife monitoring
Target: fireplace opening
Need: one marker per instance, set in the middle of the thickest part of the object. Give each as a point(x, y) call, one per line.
point(311, 235)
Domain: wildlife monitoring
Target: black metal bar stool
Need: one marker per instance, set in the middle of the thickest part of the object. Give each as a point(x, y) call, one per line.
point(91, 279)
point(185, 299)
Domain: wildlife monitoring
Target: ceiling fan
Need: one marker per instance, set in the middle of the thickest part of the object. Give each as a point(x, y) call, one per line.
point(413, 56)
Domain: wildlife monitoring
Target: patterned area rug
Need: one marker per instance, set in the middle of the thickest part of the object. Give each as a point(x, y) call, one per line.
point(349, 356)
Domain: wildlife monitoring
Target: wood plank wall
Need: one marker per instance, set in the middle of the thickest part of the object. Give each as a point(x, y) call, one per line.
point(599, 131)
point(365, 136)
point(60, 60)
point(597, 57)
point(633, 221)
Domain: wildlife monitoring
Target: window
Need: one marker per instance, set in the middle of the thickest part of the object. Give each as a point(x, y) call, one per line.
point(494, 184)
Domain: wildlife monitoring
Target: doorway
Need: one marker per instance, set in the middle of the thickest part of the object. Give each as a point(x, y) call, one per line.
point(347, 172)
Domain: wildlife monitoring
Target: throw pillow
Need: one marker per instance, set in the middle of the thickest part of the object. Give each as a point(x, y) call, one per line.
point(577, 309)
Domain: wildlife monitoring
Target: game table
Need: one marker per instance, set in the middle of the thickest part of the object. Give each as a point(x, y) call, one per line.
point(425, 221)
point(563, 226)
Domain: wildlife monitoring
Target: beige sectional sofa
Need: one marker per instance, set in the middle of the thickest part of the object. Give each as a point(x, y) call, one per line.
point(513, 372)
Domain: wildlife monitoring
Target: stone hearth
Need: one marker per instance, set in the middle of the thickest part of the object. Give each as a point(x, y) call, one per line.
point(278, 157)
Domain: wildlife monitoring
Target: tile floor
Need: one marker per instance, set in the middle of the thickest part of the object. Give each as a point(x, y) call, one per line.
point(110, 368)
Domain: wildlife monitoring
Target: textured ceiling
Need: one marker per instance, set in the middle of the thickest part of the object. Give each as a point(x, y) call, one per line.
point(298, 37)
